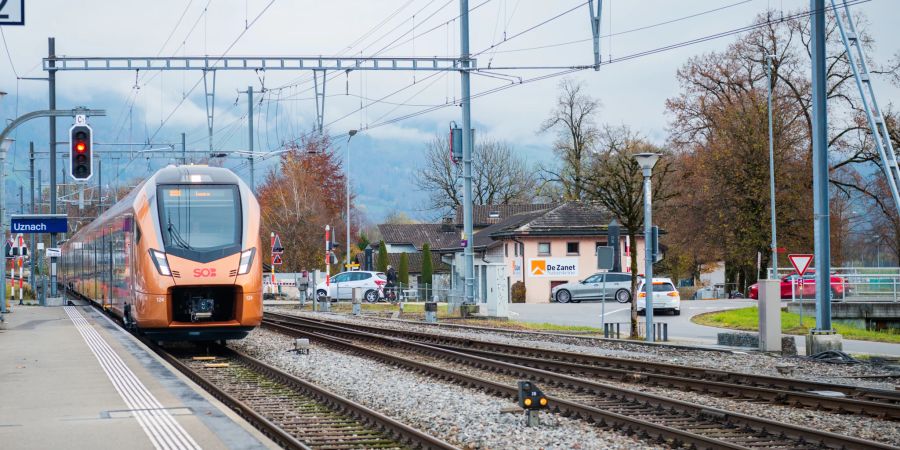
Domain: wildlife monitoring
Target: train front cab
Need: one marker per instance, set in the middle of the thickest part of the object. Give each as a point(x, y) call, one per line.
point(201, 272)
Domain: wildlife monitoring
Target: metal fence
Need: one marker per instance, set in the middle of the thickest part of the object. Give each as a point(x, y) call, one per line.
point(872, 284)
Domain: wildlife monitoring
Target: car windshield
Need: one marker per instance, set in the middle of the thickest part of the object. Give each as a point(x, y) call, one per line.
point(197, 218)
point(659, 287)
point(381, 275)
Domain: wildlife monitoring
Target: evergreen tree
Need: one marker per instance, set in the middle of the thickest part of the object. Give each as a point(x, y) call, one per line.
point(425, 281)
point(382, 262)
point(404, 269)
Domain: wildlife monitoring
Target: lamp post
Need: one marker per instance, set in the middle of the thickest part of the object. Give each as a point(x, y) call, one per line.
point(647, 161)
point(769, 59)
point(350, 135)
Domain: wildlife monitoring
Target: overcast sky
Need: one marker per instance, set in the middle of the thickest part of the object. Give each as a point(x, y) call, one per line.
point(385, 156)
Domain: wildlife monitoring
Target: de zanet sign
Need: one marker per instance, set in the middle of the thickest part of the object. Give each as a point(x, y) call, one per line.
point(553, 267)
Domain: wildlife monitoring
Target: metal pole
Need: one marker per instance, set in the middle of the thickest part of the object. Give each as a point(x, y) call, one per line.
point(821, 231)
point(250, 137)
point(772, 169)
point(648, 256)
point(602, 304)
point(347, 187)
point(21, 200)
point(99, 187)
point(32, 254)
point(3, 307)
point(183, 150)
point(51, 77)
point(466, 103)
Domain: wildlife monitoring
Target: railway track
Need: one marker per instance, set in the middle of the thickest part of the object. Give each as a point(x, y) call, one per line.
point(292, 412)
point(653, 417)
point(777, 390)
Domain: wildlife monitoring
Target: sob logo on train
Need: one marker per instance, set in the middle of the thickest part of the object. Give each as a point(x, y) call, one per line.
point(204, 272)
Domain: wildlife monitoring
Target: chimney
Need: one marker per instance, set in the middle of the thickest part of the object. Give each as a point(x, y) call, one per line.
point(447, 225)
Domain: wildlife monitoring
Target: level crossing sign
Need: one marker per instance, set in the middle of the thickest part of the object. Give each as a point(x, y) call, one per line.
point(800, 262)
point(276, 259)
point(276, 244)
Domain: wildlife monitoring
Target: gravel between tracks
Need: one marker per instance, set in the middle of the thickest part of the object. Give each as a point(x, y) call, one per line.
point(751, 363)
point(863, 427)
point(461, 416)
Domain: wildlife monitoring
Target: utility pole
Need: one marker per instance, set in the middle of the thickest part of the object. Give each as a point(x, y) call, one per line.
point(466, 103)
point(821, 231)
point(772, 168)
point(249, 93)
point(99, 187)
point(51, 77)
point(21, 201)
point(183, 150)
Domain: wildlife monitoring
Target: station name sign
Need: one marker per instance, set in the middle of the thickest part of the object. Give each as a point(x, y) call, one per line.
point(39, 223)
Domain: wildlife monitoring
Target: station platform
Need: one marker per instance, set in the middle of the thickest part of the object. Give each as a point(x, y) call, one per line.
point(70, 378)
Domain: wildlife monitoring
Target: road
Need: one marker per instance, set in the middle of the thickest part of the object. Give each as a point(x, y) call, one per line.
point(681, 329)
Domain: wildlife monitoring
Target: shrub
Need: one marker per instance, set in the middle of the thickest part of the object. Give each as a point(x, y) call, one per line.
point(518, 292)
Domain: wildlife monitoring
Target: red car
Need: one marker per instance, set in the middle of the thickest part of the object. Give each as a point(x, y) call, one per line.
point(806, 289)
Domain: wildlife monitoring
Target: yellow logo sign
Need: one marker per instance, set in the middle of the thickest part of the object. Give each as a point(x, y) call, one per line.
point(538, 267)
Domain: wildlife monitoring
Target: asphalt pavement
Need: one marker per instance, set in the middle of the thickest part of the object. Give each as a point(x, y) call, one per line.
point(681, 329)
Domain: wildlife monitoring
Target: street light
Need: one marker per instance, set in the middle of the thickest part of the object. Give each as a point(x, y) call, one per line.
point(350, 135)
point(647, 161)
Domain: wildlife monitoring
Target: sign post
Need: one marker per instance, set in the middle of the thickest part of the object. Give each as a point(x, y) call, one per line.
point(605, 261)
point(277, 250)
point(801, 263)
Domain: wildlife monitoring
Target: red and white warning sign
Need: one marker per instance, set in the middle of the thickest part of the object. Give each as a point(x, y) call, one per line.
point(801, 262)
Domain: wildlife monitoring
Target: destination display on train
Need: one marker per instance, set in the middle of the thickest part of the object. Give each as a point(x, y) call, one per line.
point(38, 223)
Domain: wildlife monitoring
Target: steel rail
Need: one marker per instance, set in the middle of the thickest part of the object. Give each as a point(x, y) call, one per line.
point(596, 415)
point(403, 433)
point(725, 419)
point(882, 398)
point(269, 429)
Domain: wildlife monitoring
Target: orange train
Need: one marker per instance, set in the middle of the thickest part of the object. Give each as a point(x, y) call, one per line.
point(178, 257)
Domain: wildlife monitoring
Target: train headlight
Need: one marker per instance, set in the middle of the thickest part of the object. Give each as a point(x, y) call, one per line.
point(161, 263)
point(246, 261)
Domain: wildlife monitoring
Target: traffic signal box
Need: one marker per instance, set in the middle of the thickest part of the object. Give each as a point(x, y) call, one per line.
point(530, 397)
point(81, 141)
point(532, 400)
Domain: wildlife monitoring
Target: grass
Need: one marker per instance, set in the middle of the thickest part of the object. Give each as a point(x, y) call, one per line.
point(517, 325)
point(748, 319)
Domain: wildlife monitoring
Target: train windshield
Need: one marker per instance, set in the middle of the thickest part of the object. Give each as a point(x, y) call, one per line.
point(200, 220)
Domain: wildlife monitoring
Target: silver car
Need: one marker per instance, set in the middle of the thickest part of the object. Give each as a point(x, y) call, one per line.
point(617, 285)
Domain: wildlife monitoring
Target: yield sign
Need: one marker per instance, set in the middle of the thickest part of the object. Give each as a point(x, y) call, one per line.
point(276, 245)
point(800, 262)
point(276, 259)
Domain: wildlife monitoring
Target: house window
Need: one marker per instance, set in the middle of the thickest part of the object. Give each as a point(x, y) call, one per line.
point(506, 250)
point(543, 249)
point(516, 248)
point(571, 248)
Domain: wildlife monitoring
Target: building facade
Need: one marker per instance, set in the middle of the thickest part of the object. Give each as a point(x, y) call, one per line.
point(543, 248)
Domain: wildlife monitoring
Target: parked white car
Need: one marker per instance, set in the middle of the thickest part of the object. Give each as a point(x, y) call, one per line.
point(342, 284)
point(665, 297)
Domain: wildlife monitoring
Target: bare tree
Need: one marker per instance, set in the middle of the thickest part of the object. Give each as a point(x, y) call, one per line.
point(615, 181)
point(499, 175)
point(576, 133)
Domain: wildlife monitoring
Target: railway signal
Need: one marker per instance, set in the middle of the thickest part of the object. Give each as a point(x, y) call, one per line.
point(81, 140)
point(532, 399)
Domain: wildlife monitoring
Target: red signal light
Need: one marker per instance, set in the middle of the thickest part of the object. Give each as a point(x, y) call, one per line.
point(80, 147)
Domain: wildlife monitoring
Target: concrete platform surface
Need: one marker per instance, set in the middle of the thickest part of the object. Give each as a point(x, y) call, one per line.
point(69, 378)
